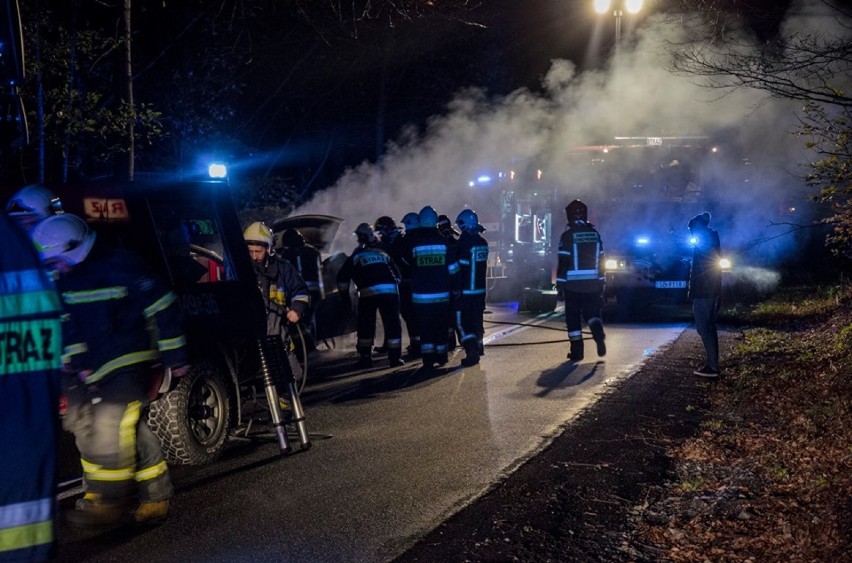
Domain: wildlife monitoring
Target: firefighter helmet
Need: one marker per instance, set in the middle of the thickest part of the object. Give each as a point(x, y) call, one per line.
point(445, 227)
point(385, 224)
point(411, 221)
point(365, 234)
point(63, 236)
point(259, 233)
point(34, 199)
point(428, 217)
point(468, 221)
point(577, 211)
point(292, 238)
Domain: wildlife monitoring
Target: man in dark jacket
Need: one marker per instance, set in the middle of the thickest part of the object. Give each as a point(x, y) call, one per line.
point(473, 266)
point(115, 309)
point(705, 287)
point(377, 279)
point(434, 280)
point(30, 360)
point(285, 293)
point(580, 279)
point(308, 262)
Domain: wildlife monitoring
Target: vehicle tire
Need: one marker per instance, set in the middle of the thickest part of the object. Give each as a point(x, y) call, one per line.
point(193, 419)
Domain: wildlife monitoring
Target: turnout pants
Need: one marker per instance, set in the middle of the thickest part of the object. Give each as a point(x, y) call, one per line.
point(119, 453)
point(469, 313)
point(432, 325)
point(705, 323)
point(388, 307)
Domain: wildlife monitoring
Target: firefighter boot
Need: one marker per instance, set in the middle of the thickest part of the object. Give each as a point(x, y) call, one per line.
point(394, 359)
point(428, 362)
point(365, 358)
point(93, 511)
point(576, 354)
point(596, 326)
point(471, 354)
point(150, 512)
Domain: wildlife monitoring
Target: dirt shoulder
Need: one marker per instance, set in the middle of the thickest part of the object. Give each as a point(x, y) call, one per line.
point(572, 502)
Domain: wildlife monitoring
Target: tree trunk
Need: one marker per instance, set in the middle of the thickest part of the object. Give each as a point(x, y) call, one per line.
point(131, 150)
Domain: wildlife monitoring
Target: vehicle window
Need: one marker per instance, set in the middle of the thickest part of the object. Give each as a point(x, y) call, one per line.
point(192, 243)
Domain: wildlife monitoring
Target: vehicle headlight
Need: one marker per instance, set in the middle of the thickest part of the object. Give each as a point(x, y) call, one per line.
point(725, 263)
point(613, 264)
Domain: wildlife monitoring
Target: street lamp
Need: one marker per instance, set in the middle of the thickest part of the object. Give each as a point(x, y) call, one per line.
point(618, 7)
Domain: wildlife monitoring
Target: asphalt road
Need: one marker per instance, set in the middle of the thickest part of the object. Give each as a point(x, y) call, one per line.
point(394, 452)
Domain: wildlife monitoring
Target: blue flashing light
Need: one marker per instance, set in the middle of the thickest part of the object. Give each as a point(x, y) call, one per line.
point(484, 179)
point(642, 241)
point(217, 170)
point(693, 241)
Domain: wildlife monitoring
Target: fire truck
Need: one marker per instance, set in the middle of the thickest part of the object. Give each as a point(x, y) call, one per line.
point(641, 193)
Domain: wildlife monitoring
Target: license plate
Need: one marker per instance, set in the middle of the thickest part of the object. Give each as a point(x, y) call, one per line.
point(670, 284)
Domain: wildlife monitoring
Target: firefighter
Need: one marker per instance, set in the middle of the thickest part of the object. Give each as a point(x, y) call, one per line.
point(473, 265)
point(308, 262)
point(705, 288)
point(390, 240)
point(580, 279)
point(377, 278)
point(120, 320)
point(285, 293)
point(30, 360)
point(451, 234)
point(31, 204)
point(434, 280)
point(406, 308)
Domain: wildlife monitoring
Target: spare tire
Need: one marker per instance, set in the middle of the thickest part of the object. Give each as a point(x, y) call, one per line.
point(192, 420)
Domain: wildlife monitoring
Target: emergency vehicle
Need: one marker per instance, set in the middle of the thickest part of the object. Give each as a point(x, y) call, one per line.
point(641, 193)
point(189, 232)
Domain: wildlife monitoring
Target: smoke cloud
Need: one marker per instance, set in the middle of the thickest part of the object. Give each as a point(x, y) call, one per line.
point(753, 179)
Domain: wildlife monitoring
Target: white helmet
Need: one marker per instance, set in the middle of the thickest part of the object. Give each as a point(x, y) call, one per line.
point(34, 199)
point(63, 236)
point(258, 233)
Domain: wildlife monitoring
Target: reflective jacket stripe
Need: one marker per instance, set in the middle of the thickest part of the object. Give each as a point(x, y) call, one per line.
point(120, 362)
point(160, 304)
point(430, 297)
point(171, 343)
point(93, 295)
point(26, 524)
point(381, 289)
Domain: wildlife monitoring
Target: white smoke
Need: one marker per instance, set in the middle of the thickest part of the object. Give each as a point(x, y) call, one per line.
point(635, 95)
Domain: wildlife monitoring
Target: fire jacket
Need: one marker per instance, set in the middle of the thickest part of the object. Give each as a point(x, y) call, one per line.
point(581, 259)
point(113, 302)
point(372, 270)
point(30, 359)
point(434, 266)
point(308, 262)
point(282, 288)
point(473, 263)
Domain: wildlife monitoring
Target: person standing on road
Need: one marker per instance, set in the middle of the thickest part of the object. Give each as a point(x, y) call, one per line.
point(30, 360)
point(705, 289)
point(473, 266)
point(450, 233)
point(377, 278)
point(411, 222)
point(120, 321)
point(434, 281)
point(580, 279)
point(285, 293)
point(308, 262)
